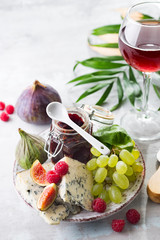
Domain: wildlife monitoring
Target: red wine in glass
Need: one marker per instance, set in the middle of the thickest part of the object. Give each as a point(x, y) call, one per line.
point(140, 46)
point(139, 43)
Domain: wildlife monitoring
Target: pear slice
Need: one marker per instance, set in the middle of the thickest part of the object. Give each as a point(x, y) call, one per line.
point(153, 187)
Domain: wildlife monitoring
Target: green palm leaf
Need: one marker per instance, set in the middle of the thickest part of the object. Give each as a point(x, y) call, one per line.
point(100, 63)
point(120, 94)
point(92, 90)
point(105, 45)
point(106, 29)
point(105, 94)
point(157, 90)
point(95, 75)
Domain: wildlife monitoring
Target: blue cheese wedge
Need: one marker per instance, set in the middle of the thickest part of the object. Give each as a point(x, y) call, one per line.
point(55, 214)
point(72, 208)
point(75, 187)
point(31, 191)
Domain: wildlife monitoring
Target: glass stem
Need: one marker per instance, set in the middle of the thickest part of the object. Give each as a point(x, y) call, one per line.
point(146, 86)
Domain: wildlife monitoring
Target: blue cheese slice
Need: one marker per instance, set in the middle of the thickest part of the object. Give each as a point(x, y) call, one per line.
point(75, 187)
point(31, 191)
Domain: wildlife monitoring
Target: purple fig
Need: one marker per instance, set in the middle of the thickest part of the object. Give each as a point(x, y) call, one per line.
point(32, 103)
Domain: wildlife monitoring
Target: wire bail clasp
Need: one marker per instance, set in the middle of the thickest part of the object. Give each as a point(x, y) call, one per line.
point(53, 137)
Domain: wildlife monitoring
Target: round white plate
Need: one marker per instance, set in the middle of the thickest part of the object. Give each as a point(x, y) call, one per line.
point(85, 216)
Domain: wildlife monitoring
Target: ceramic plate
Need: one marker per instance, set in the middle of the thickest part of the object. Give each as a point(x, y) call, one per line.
point(85, 216)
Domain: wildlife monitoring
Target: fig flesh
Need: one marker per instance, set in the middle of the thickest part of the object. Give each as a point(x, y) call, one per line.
point(30, 148)
point(38, 174)
point(32, 103)
point(47, 197)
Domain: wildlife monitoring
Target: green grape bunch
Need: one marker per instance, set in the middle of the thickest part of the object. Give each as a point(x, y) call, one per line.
point(114, 173)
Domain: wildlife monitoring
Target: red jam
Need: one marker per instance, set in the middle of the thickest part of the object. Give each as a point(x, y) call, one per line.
point(74, 145)
point(75, 118)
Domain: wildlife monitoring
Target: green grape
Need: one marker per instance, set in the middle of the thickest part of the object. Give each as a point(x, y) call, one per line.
point(94, 172)
point(132, 178)
point(95, 152)
point(100, 175)
point(137, 167)
point(105, 196)
point(121, 180)
point(121, 167)
point(92, 164)
point(135, 153)
point(110, 172)
point(113, 159)
point(102, 161)
point(115, 194)
point(127, 157)
point(133, 142)
point(129, 171)
point(97, 189)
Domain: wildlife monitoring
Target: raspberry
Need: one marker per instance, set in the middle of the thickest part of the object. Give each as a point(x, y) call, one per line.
point(4, 116)
point(61, 168)
point(53, 177)
point(2, 105)
point(133, 216)
point(118, 225)
point(99, 205)
point(9, 109)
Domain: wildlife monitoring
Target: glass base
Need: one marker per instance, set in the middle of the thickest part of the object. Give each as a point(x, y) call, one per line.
point(140, 126)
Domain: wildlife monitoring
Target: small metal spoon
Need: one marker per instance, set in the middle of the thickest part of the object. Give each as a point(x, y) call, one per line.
point(158, 156)
point(57, 111)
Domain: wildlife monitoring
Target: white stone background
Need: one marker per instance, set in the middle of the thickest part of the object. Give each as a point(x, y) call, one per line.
point(42, 39)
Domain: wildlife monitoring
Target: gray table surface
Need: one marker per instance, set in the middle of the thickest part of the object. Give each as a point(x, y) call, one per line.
point(41, 39)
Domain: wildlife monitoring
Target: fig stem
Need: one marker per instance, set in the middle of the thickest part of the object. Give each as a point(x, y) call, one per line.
point(22, 132)
point(37, 84)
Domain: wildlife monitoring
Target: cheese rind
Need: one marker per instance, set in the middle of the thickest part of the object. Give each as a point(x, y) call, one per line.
point(75, 187)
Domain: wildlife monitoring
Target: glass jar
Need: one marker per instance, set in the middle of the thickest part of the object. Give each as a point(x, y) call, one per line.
point(64, 141)
point(99, 116)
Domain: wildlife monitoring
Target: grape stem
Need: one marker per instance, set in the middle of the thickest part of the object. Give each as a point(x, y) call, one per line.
point(115, 151)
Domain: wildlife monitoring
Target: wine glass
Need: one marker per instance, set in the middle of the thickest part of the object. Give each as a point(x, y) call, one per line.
point(139, 43)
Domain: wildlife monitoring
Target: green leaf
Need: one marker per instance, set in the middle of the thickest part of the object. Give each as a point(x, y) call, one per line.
point(115, 136)
point(136, 87)
point(95, 80)
point(131, 75)
point(106, 29)
point(105, 94)
point(92, 90)
point(75, 65)
point(157, 90)
point(114, 58)
point(100, 63)
point(120, 95)
point(132, 88)
point(108, 58)
point(127, 85)
point(145, 16)
point(106, 45)
point(96, 75)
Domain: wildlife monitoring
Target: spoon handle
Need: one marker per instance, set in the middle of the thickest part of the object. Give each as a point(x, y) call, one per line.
point(93, 141)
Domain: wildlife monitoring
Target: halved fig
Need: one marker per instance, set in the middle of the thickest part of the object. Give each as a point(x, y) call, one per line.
point(38, 174)
point(47, 197)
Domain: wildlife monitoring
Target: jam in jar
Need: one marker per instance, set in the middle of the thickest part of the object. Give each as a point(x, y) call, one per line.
point(65, 141)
